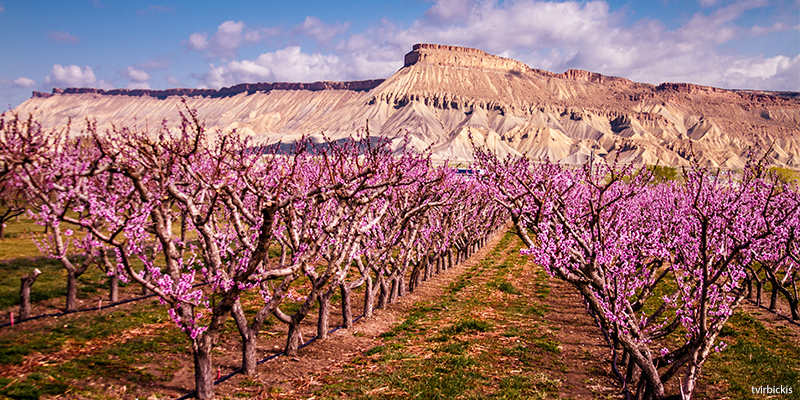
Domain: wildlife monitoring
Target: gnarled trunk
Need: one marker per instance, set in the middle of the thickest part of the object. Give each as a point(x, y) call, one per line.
point(114, 292)
point(347, 307)
point(26, 283)
point(324, 317)
point(293, 339)
point(249, 340)
point(72, 291)
point(383, 299)
point(203, 369)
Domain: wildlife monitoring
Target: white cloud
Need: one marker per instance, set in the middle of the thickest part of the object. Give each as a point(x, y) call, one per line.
point(551, 35)
point(321, 32)
point(286, 65)
point(229, 37)
point(559, 35)
point(138, 85)
point(776, 27)
point(776, 73)
point(136, 75)
point(197, 41)
point(172, 80)
point(446, 11)
point(63, 37)
point(24, 82)
point(74, 76)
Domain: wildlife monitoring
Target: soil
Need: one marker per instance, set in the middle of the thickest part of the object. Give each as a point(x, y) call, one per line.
point(582, 345)
point(294, 375)
point(582, 348)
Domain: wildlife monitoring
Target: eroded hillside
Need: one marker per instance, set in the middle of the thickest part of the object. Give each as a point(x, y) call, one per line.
point(445, 94)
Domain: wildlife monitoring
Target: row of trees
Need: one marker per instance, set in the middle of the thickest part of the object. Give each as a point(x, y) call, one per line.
point(660, 265)
point(291, 223)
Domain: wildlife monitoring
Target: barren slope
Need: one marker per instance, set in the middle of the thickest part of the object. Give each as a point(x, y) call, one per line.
point(444, 94)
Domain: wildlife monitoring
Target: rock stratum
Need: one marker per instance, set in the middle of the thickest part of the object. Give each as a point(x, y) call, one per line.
point(445, 94)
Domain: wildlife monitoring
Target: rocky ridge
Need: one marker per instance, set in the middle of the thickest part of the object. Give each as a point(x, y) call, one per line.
point(446, 94)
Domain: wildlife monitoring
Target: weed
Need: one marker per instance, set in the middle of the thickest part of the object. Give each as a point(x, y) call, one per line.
point(375, 350)
point(456, 348)
point(755, 356)
point(512, 332)
point(507, 287)
point(467, 325)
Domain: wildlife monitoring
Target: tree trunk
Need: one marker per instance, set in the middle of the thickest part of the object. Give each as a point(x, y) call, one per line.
point(773, 298)
point(249, 340)
point(414, 280)
point(383, 299)
point(749, 283)
point(369, 297)
point(323, 322)
point(2, 230)
point(145, 291)
point(759, 290)
point(395, 293)
point(347, 307)
point(401, 286)
point(114, 294)
point(428, 267)
point(25, 293)
point(72, 291)
point(293, 339)
point(203, 370)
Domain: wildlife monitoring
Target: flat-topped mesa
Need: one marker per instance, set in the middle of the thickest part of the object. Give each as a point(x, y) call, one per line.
point(249, 88)
point(690, 88)
point(455, 56)
point(581, 75)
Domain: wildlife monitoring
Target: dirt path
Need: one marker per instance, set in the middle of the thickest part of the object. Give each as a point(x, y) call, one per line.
point(537, 339)
point(583, 347)
point(285, 377)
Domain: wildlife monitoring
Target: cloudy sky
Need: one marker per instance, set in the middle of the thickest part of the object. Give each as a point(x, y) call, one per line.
point(158, 44)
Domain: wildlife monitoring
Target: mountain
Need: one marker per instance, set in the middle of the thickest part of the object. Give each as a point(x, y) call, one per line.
point(445, 95)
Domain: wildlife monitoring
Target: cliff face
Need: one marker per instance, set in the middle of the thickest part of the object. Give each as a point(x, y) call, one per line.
point(444, 94)
point(248, 88)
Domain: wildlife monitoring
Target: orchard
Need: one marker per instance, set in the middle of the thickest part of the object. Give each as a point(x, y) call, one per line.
point(201, 219)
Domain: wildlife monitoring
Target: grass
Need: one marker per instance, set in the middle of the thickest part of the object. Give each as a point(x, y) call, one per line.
point(122, 362)
point(55, 333)
point(486, 337)
point(756, 356)
point(445, 350)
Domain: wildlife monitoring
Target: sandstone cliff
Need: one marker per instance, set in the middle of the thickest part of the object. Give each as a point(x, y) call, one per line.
point(445, 94)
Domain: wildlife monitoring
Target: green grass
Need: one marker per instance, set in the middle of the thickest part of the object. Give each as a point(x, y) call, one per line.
point(32, 387)
point(467, 325)
point(80, 329)
point(444, 350)
point(122, 362)
point(756, 356)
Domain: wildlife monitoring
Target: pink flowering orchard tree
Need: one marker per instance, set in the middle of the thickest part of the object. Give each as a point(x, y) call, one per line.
point(619, 240)
point(778, 260)
point(39, 168)
point(131, 192)
point(12, 196)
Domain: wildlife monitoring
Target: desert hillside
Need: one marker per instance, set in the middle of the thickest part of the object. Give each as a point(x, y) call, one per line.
point(444, 94)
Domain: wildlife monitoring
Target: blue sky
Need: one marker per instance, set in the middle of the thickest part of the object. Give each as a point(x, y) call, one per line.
point(158, 44)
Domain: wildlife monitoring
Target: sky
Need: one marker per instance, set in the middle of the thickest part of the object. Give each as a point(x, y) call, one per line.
point(159, 44)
